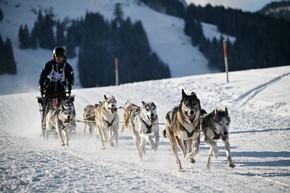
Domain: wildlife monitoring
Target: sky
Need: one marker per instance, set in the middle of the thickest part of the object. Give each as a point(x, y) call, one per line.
point(245, 5)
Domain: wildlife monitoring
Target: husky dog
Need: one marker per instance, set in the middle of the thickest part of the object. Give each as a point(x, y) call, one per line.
point(143, 122)
point(62, 120)
point(89, 118)
point(215, 126)
point(182, 126)
point(107, 121)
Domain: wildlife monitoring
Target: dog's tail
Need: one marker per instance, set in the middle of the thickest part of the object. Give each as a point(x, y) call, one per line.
point(126, 116)
point(163, 134)
point(125, 120)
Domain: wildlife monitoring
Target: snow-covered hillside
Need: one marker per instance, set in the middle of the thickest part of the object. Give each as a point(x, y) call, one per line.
point(259, 105)
point(165, 34)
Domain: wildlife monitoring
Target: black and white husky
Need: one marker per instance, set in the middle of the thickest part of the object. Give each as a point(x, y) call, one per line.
point(63, 120)
point(182, 125)
point(107, 121)
point(143, 123)
point(215, 126)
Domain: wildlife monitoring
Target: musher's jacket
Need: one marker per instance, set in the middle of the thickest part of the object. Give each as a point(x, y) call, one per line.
point(56, 78)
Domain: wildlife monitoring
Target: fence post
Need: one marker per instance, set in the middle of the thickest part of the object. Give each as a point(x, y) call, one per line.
point(226, 59)
point(116, 71)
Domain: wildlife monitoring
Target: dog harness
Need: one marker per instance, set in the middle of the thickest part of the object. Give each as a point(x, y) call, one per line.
point(149, 127)
point(109, 123)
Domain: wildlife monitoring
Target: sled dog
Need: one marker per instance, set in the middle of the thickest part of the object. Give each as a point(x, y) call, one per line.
point(182, 126)
point(143, 123)
point(89, 118)
point(130, 112)
point(62, 119)
point(215, 126)
point(107, 121)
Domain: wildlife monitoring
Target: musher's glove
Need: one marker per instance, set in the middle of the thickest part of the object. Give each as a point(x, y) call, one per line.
point(68, 89)
point(41, 90)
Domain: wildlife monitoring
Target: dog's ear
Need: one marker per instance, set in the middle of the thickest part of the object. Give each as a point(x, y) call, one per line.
point(105, 97)
point(143, 103)
point(215, 111)
point(183, 94)
point(113, 97)
point(226, 110)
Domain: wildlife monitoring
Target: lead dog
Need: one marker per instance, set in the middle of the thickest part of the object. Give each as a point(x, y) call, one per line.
point(143, 123)
point(107, 121)
point(215, 126)
point(63, 120)
point(182, 125)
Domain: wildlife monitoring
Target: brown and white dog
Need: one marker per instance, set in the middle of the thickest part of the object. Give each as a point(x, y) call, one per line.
point(182, 126)
point(89, 118)
point(107, 121)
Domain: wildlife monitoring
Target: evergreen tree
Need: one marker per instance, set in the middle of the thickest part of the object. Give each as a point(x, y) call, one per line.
point(23, 37)
point(33, 38)
point(1, 15)
point(60, 38)
point(2, 56)
point(9, 57)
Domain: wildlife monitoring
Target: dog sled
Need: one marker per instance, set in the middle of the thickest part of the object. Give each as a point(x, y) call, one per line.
point(45, 104)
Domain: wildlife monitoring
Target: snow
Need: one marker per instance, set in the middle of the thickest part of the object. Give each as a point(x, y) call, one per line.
point(211, 31)
point(259, 105)
point(258, 102)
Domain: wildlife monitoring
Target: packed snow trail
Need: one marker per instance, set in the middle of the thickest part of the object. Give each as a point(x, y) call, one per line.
point(259, 138)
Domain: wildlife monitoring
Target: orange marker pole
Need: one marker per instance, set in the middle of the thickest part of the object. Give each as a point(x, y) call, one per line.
point(226, 59)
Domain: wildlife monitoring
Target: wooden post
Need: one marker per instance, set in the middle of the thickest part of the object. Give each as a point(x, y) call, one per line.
point(226, 59)
point(116, 72)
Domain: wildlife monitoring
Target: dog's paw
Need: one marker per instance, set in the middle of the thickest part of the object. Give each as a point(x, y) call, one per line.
point(112, 144)
point(189, 158)
point(207, 167)
point(231, 165)
point(154, 147)
point(216, 152)
point(181, 170)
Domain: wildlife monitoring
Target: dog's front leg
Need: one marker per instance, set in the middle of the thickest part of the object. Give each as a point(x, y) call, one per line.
point(156, 135)
point(190, 154)
point(213, 147)
point(142, 145)
point(100, 132)
point(228, 152)
point(59, 133)
point(193, 150)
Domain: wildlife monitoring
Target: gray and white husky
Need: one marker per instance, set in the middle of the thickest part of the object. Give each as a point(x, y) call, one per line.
point(143, 123)
point(107, 121)
point(182, 127)
point(63, 120)
point(215, 126)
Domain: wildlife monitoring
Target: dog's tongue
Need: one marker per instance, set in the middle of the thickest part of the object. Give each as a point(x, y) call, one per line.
point(224, 137)
point(191, 118)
